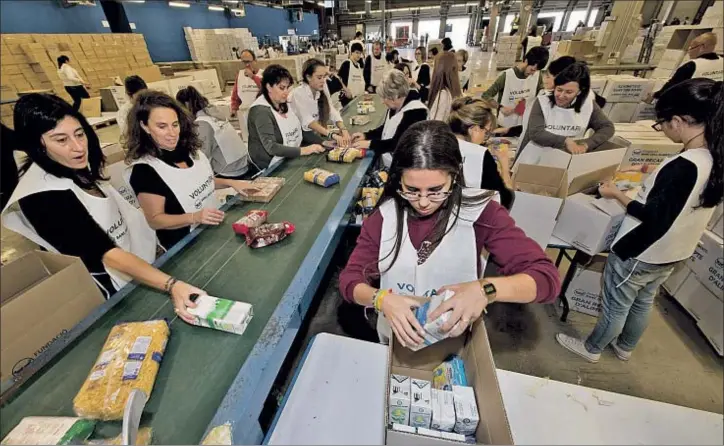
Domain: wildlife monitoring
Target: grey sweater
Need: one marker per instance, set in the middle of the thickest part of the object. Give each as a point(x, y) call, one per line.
point(213, 152)
point(265, 138)
point(536, 131)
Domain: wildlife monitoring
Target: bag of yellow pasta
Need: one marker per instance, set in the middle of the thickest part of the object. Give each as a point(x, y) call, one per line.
point(340, 155)
point(129, 360)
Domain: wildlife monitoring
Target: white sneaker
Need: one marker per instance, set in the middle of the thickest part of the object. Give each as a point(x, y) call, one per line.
point(620, 353)
point(576, 346)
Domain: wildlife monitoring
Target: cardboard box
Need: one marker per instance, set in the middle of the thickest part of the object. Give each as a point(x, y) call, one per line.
point(716, 223)
point(671, 59)
point(42, 296)
point(598, 84)
point(91, 107)
point(620, 111)
point(677, 278)
point(627, 89)
point(644, 111)
point(474, 349)
point(541, 180)
point(536, 215)
point(586, 288)
point(589, 223)
point(705, 308)
point(707, 263)
point(644, 155)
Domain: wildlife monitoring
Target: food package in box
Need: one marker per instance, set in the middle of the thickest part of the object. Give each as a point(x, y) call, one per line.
point(129, 360)
point(263, 189)
point(433, 329)
point(50, 430)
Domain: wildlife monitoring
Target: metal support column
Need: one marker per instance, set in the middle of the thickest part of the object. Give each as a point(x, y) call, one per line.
point(492, 26)
point(567, 14)
point(444, 9)
point(589, 8)
point(383, 24)
point(417, 41)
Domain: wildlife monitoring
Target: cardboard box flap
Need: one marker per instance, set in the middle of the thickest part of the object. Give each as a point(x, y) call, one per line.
point(541, 180)
point(590, 180)
point(21, 274)
point(594, 161)
point(608, 205)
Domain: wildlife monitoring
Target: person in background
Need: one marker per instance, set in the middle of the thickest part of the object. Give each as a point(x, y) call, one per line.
point(532, 33)
point(408, 75)
point(351, 75)
point(461, 56)
point(73, 83)
point(245, 91)
point(64, 204)
point(445, 86)
point(358, 38)
point(558, 120)
point(392, 58)
point(704, 63)
point(374, 68)
point(519, 83)
point(665, 221)
point(134, 84)
point(312, 103)
point(219, 141)
point(275, 132)
point(8, 167)
point(235, 54)
point(675, 22)
point(310, 49)
point(447, 44)
point(434, 52)
point(396, 264)
point(171, 177)
point(472, 121)
point(404, 109)
point(686, 21)
point(421, 72)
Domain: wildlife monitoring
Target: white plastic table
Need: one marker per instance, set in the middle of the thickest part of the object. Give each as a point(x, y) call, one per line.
point(337, 397)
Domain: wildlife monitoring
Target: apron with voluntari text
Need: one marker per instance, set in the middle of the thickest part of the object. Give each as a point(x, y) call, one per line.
point(232, 147)
point(514, 91)
point(356, 80)
point(473, 157)
point(378, 69)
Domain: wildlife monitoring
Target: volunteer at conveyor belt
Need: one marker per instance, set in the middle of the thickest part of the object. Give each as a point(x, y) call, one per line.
point(312, 104)
point(275, 132)
point(704, 63)
point(560, 120)
point(170, 175)
point(665, 221)
point(64, 204)
point(350, 74)
point(374, 67)
point(428, 234)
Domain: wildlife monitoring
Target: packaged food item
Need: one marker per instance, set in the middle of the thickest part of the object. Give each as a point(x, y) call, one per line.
point(429, 432)
point(50, 430)
point(262, 189)
point(433, 328)
point(359, 120)
point(399, 402)
point(466, 410)
point(420, 404)
point(268, 234)
point(453, 436)
point(252, 219)
point(450, 373)
point(226, 194)
point(403, 428)
point(129, 360)
point(143, 438)
point(219, 435)
point(321, 177)
point(443, 410)
point(340, 155)
point(221, 314)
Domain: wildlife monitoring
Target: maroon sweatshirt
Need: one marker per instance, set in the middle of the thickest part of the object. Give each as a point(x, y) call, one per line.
point(495, 231)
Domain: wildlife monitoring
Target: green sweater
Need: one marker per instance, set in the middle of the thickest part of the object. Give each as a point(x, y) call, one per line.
point(496, 90)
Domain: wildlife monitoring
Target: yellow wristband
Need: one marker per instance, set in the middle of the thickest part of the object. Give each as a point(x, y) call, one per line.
point(377, 301)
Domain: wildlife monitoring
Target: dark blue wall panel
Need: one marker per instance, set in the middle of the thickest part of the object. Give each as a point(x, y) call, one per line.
point(48, 17)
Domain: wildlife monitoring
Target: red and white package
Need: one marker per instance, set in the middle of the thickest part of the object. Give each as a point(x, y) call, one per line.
point(268, 234)
point(252, 219)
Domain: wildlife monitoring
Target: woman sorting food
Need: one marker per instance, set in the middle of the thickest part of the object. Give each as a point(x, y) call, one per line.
point(63, 203)
point(220, 142)
point(560, 120)
point(664, 223)
point(350, 73)
point(472, 121)
point(170, 175)
point(438, 244)
point(275, 132)
point(312, 104)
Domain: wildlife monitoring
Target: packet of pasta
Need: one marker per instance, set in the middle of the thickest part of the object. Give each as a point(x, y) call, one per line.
point(340, 155)
point(129, 360)
point(321, 177)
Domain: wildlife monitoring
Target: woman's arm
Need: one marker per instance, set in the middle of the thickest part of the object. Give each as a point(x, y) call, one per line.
point(74, 75)
point(361, 268)
point(343, 73)
point(153, 207)
point(602, 126)
point(263, 121)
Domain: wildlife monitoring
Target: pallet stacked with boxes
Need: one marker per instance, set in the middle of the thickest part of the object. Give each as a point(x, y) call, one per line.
point(508, 50)
point(624, 95)
point(217, 44)
point(670, 48)
point(714, 17)
point(698, 284)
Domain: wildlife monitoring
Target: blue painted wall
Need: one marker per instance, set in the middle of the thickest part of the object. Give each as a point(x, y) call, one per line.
point(261, 21)
point(48, 17)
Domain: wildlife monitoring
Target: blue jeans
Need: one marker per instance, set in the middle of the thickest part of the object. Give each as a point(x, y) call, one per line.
point(629, 288)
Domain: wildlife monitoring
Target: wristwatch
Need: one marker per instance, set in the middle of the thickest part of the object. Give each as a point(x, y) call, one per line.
point(489, 291)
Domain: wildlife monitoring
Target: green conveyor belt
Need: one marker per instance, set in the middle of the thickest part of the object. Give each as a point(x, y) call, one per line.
point(200, 363)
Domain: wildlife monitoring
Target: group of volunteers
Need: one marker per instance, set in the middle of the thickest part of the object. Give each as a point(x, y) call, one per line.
point(444, 210)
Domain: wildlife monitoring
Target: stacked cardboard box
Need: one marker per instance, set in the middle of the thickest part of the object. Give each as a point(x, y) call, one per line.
point(509, 49)
point(623, 94)
point(292, 63)
point(216, 44)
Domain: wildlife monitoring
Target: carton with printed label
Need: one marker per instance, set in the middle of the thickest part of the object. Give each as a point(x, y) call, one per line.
point(707, 263)
point(584, 291)
point(399, 400)
point(589, 223)
point(420, 403)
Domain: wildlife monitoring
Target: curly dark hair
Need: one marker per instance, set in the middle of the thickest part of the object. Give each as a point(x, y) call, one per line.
point(274, 75)
point(192, 99)
point(138, 143)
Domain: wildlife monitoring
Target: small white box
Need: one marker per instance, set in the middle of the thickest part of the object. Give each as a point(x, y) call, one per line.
point(466, 410)
point(707, 263)
point(222, 314)
point(443, 410)
point(399, 399)
point(588, 223)
point(420, 404)
point(677, 278)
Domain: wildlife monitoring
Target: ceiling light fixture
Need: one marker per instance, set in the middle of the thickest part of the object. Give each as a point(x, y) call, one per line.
point(216, 8)
point(179, 4)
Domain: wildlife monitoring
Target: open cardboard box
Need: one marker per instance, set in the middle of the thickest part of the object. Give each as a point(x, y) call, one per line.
point(480, 371)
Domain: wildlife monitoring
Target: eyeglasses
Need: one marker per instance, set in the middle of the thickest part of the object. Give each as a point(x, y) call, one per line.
point(434, 197)
point(246, 62)
point(695, 47)
point(658, 125)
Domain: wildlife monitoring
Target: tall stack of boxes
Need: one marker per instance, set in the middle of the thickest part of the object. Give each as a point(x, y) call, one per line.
point(714, 17)
point(508, 49)
point(671, 45)
point(623, 94)
point(217, 44)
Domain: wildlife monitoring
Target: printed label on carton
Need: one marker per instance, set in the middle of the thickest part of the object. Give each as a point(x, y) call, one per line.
point(466, 410)
point(420, 404)
point(449, 373)
point(443, 410)
point(399, 403)
point(403, 428)
point(429, 432)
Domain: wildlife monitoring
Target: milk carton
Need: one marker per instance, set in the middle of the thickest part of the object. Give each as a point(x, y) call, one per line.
point(450, 373)
point(466, 410)
point(429, 432)
point(443, 410)
point(221, 314)
point(433, 329)
point(420, 404)
point(399, 399)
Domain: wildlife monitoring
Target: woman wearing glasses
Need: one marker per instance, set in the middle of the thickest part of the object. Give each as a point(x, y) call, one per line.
point(666, 220)
point(429, 232)
point(472, 121)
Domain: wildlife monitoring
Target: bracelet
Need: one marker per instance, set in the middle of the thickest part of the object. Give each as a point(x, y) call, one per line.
point(378, 298)
point(169, 284)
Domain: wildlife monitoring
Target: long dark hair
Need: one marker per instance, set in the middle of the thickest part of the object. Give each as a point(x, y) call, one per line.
point(577, 72)
point(36, 114)
point(323, 107)
point(700, 101)
point(428, 145)
point(192, 99)
point(445, 77)
point(274, 75)
point(138, 143)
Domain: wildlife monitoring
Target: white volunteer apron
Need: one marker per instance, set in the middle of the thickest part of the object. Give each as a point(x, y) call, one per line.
point(455, 260)
point(247, 91)
point(515, 90)
point(232, 147)
point(710, 69)
point(378, 69)
point(464, 77)
point(356, 80)
point(123, 223)
point(559, 121)
point(289, 126)
point(529, 107)
point(391, 124)
point(340, 49)
point(473, 156)
point(115, 178)
point(681, 239)
point(193, 187)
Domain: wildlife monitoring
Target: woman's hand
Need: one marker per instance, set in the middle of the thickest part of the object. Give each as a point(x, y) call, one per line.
point(608, 189)
point(347, 93)
point(180, 297)
point(507, 111)
point(244, 189)
point(467, 305)
point(208, 216)
point(365, 144)
point(370, 89)
point(397, 310)
point(357, 136)
point(574, 147)
point(343, 140)
point(312, 149)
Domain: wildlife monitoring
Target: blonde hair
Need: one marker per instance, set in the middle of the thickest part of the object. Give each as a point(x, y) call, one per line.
point(463, 53)
point(468, 112)
point(394, 85)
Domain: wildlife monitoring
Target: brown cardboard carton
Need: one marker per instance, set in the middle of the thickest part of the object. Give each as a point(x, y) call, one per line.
point(474, 349)
point(541, 180)
point(42, 296)
point(91, 107)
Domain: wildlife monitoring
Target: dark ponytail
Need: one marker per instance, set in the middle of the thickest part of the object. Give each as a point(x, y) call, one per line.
point(700, 101)
point(308, 69)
